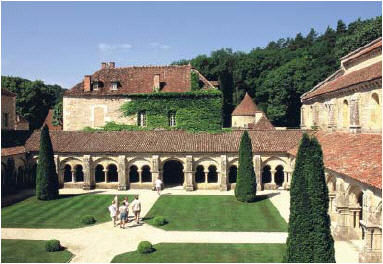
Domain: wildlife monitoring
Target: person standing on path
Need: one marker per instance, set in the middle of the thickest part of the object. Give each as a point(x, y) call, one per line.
point(123, 214)
point(158, 184)
point(113, 212)
point(136, 207)
point(126, 201)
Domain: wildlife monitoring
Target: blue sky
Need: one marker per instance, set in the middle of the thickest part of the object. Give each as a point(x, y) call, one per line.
point(60, 42)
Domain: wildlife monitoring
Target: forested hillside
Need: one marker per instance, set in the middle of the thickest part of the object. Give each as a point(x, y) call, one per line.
point(34, 98)
point(280, 73)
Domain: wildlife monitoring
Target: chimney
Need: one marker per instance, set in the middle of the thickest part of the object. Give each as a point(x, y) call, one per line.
point(87, 83)
point(156, 82)
point(103, 65)
point(112, 64)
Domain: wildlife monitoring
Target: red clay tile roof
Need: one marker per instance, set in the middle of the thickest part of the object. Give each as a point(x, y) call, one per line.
point(262, 124)
point(137, 80)
point(246, 108)
point(175, 141)
point(7, 93)
point(358, 156)
point(363, 50)
point(48, 122)
point(12, 151)
point(366, 74)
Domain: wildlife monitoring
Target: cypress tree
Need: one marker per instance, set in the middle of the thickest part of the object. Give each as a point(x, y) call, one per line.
point(299, 247)
point(246, 187)
point(321, 238)
point(47, 184)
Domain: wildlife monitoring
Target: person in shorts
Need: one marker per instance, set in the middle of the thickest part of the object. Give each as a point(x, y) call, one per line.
point(113, 212)
point(123, 214)
point(136, 207)
point(158, 184)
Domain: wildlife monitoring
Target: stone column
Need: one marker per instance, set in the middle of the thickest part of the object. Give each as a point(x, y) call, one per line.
point(354, 115)
point(122, 176)
point(155, 169)
point(89, 181)
point(303, 125)
point(223, 174)
point(206, 175)
point(188, 171)
point(331, 208)
point(258, 172)
point(286, 183)
point(73, 176)
point(139, 171)
point(372, 249)
point(316, 115)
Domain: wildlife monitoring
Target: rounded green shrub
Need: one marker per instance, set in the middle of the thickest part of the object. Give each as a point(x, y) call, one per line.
point(88, 220)
point(145, 247)
point(159, 221)
point(52, 245)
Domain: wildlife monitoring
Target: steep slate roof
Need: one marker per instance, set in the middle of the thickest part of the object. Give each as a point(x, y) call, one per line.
point(175, 141)
point(246, 108)
point(7, 93)
point(134, 80)
point(366, 74)
point(358, 156)
point(12, 151)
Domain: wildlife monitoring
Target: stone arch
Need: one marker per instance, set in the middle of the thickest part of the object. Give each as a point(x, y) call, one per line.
point(212, 175)
point(139, 162)
point(99, 173)
point(279, 175)
point(375, 111)
point(206, 162)
point(79, 174)
point(146, 174)
point(274, 162)
point(67, 172)
point(233, 170)
point(173, 173)
point(355, 204)
point(266, 174)
point(133, 174)
point(331, 183)
point(105, 161)
point(345, 114)
point(112, 173)
point(71, 161)
point(199, 175)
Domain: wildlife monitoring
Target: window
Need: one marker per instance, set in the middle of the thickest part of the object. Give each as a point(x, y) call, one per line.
point(172, 119)
point(114, 86)
point(95, 86)
point(141, 118)
point(5, 120)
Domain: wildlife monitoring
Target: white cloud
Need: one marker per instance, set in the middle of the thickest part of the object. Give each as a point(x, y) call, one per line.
point(159, 45)
point(108, 47)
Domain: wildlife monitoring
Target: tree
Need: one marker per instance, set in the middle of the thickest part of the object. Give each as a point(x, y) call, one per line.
point(226, 86)
point(299, 244)
point(47, 184)
point(321, 239)
point(246, 187)
point(57, 118)
point(341, 27)
point(9, 185)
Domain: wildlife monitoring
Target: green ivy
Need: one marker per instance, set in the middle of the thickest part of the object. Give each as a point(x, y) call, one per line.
point(195, 111)
point(194, 81)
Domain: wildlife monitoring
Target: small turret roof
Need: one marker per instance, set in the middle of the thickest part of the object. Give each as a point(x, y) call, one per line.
point(246, 108)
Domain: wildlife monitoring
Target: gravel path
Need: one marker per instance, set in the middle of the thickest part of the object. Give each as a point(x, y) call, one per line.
point(100, 243)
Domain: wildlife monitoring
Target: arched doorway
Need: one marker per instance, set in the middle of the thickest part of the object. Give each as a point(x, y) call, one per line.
point(266, 174)
point(99, 174)
point(133, 174)
point(199, 174)
point(173, 174)
point(233, 174)
point(67, 173)
point(79, 174)
point(212, 175)
point(279, 175)
point(146, 175)
point(112, 173)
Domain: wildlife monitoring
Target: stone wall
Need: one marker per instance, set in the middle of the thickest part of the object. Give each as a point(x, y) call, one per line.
point(242, 121)
point(8, 106)
point(80, 112)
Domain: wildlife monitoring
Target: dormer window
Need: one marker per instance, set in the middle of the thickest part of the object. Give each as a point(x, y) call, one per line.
point(114, 86)
point(95, 86)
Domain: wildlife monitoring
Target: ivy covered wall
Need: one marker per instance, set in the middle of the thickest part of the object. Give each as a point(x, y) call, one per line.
point(194, 111)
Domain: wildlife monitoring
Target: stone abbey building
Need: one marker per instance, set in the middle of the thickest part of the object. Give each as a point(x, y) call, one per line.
point(343, 112)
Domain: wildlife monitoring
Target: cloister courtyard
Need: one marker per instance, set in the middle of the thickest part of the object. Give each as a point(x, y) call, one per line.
point(203, 226)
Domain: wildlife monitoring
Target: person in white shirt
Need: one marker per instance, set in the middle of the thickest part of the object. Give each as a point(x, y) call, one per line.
point(113, 212)
point(126, 201)
point(158, 184)
point(136, 207)
point(123, 214)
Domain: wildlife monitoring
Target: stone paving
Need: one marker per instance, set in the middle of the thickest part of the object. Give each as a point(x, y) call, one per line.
point(101, 242)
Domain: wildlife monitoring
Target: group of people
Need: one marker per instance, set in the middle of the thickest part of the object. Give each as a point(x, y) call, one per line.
point(122, 212)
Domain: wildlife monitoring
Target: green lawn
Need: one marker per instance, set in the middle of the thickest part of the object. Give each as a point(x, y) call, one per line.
point(65, 212)
point(216, 213)
point(190, 252)
point(22, 251)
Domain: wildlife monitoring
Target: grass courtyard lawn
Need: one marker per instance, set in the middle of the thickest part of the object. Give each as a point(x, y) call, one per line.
point(190, 252)
point(216, 213)
point(22, 251)
point(65, 212)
